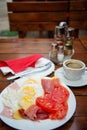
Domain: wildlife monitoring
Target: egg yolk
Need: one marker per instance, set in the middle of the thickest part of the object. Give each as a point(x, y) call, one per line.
point(28, 91)
point(29, 97)
point(30, 81)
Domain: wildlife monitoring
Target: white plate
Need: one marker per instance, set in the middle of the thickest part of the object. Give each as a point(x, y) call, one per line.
point(78, 83)
point(43, 124)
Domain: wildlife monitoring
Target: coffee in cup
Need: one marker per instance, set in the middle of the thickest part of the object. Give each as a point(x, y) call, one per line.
point(73, 69)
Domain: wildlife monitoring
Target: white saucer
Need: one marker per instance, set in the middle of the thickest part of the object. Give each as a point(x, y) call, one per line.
point(77, 83)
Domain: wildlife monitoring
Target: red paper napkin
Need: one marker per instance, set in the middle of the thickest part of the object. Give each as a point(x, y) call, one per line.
point(21, 64)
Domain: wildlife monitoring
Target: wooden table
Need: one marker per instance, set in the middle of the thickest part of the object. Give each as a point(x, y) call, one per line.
point(17, 48)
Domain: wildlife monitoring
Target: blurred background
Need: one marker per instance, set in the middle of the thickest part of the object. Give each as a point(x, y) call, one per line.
point(4, 24)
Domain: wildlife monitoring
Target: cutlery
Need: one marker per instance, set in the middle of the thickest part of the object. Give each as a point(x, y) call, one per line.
point(27, 72)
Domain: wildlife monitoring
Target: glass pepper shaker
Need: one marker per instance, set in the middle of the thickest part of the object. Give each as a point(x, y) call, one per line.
point(59, 35)
point(53, 52)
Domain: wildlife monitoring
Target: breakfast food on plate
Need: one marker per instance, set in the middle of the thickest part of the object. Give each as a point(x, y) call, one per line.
point(36, 99)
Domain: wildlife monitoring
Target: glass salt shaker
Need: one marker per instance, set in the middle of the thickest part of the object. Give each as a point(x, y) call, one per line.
point(60, 54)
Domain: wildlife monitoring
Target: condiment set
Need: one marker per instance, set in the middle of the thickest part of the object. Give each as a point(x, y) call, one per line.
point(63, 43)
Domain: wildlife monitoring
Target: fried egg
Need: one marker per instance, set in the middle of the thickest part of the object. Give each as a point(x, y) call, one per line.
point(29, 92)
point(24, 97)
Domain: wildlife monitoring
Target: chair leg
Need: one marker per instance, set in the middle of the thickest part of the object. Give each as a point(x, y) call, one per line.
point(76, 33)
point(22, 34)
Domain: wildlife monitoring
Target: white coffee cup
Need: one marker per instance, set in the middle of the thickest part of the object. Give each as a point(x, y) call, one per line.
point(73, 69)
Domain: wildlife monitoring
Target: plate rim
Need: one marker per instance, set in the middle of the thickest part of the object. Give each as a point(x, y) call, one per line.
point(56, 125)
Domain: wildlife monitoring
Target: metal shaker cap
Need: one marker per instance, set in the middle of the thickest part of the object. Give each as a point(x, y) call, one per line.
point(62, 24)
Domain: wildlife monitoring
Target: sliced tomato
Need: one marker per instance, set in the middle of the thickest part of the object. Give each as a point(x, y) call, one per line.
point(54, 101)
point(56, 110)
point(60, 113)
point(45, 104)
point(60, 94)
